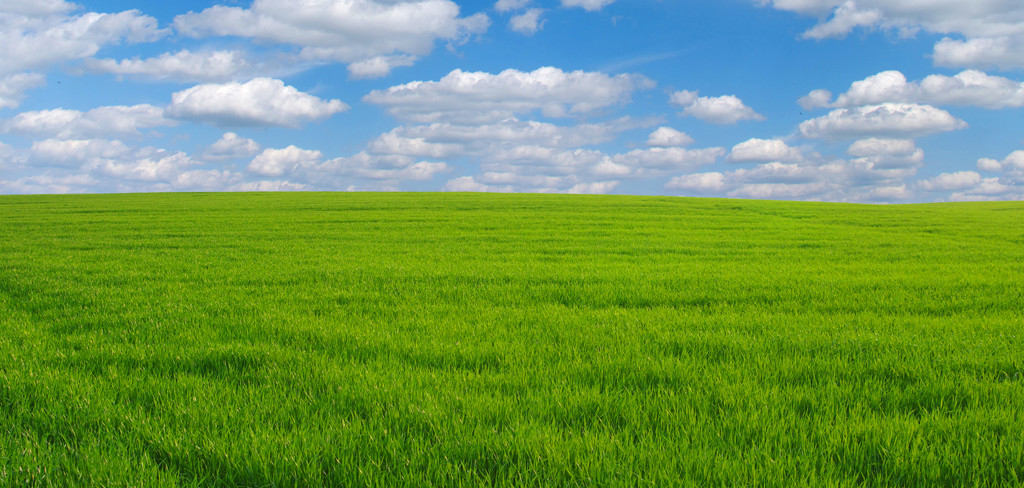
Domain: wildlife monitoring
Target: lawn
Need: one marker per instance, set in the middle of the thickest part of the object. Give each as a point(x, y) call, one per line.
point(362, 339)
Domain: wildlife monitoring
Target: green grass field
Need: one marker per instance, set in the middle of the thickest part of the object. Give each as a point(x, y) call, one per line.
point(508, 340)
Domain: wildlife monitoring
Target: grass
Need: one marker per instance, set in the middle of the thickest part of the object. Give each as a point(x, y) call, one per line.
point(508, 340)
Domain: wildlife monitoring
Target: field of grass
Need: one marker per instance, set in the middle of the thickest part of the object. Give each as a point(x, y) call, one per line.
point(508, 340)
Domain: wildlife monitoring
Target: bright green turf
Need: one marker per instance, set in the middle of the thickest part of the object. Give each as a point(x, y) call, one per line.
point(450, 339)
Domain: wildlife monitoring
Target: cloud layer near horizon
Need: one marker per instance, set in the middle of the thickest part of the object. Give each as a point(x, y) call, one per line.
point(430, 94)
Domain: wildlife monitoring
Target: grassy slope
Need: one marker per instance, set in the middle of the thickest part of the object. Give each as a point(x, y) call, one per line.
point(442, 339)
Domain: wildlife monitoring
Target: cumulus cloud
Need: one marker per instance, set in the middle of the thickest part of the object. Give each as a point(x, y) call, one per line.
point(973, 186)
point(379, 66)
point(261, 101)
point(594, 188)
point(395, 142)
point(816, 99)
point(48, 184)
point(469, 184)
point(981, 52)
point(881, 172)
point(1011, 168)
point(958, 181)
point(349, 31)
point(205, 179)
point(32, 42)
point(903, 119)
point(699, 182)
point(477, 97)
point(276, 162)
point(882, 147)
point(528, 22)
point(511, 154)
point(668, 137)
point(886, 154)
point(509, 5)
point(966, 88)
point(231, 146)
point(764, 150)
point(845, 18)
point(783, 181)
point(98, 122)
point(36, 8)
point(387, 170)
point(588, 5)
point(992, 30)
point(659, 160)
point(512, 131)
point(73, 152)
point(184, 65)
point(13, 88)
point(726, 109)
point(147, 165)
point(275, 185)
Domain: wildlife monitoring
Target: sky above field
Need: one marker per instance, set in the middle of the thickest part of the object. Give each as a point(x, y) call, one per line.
point(839, 100)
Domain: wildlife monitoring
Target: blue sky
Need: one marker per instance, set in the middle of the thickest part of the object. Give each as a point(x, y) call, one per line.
point(881, 101)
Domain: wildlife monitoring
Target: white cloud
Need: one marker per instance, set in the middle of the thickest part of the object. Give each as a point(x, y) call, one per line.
point(890, 193)
point(815, 99)
point(74, 152)
point(231, 146)
point(38, 184)
point(980, 52)
point(6, 153)
point(1012, 168)
point(989, 189)
point(477, 97)
point(789, 173)
point(98, 122)
point(509, 5)
point(657, 160)
point(469, 184)
point(36, 8)
point(350, 31)
point(389, 170)
point(779, 191)
point(13, 88)
point(205, 179)
point(588, 5)
point(972, 186)
point(512, 155)
point(594, 188)
point(958, 181)
point(276, 185)
point(845, 18)
point(726, 109)
point(261, 101)
point(395, 142)
point(147, 164)
point(886, 154)
point(668, 137)
point(484, 138)
point(29, 43)
point(420, 171)
point(379, 66)
point(887, 119)
point(882, 147)
point(966, 88)
point(183, 65)
point(881, 175)
point(277, 162)
point(699, 182)
point(528, 22)
point(993, 30)
point(764, 150)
